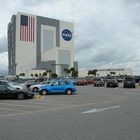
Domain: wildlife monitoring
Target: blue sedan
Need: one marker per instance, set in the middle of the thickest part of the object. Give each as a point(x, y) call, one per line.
point(58, 87)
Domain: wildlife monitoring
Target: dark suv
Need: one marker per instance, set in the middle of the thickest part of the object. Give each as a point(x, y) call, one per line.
point(129, 82)
point(112, 83)
point(98, 82)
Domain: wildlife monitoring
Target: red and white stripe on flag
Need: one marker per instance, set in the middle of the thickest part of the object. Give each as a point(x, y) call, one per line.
point(27, 30)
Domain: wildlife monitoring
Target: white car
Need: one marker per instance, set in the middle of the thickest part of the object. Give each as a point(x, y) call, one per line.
point(35, 87)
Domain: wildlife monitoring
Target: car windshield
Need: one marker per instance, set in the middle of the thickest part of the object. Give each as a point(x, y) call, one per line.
point(45, 82)
point(129, 79)
point(51, 83)
point(97, 79)
point(111, 80)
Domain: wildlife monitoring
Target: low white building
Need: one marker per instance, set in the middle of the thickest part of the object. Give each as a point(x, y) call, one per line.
point(109, 71)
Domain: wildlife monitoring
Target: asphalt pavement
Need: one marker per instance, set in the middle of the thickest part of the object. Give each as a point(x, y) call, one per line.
point(93, 113)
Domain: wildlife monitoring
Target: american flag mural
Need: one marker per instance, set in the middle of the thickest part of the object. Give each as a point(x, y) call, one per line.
point(27, 27)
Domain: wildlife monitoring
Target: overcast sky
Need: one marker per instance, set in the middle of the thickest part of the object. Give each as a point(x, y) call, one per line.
point(107, 32)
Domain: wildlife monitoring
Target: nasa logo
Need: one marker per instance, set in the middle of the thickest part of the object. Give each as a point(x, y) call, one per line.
point(66, 34)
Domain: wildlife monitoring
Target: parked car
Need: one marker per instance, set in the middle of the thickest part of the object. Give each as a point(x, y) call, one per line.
point(90, 81)
point(81, 82)
point(98, 82)
point(58, 87)
point(129, 82)
point(74, 81)
point(10, 83)
point(111, 83)
point(120, 80)
point(31, 82)
point(35, 87)
point(7, 91)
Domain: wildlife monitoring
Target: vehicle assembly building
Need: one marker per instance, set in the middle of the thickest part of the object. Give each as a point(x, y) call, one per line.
point(40, 43)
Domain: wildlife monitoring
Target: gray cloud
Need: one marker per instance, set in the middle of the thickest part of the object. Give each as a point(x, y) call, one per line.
point(107, 33)
point(3, 70)
point(133, 2)
point(32, 2)
point(114, 36)
point(3, 44)
point(3, 63)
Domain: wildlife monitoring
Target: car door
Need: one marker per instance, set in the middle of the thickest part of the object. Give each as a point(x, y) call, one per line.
point(4, 92)
point(62, 86)
point(57, 87)
point(1, 91)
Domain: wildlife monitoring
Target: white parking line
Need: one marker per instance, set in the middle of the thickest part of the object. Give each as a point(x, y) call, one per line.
point(22, 105)
point(42, 102)
point(49, 103)
point(10, 109)
point(56, 109)
point(44, 109)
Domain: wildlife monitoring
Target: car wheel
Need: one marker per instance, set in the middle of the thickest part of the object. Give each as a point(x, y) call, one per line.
point(68, 91)
point(35, 89)
point(44, 92)
point(20, 96)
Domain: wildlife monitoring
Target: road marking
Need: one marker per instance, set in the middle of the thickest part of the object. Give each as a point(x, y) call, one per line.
point(58, 109)
point(99, 110)
point(19, 105)
point(10, 109)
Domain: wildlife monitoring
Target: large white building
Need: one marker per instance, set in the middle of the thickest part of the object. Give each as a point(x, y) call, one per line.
point(110, 71)
point(40, 43)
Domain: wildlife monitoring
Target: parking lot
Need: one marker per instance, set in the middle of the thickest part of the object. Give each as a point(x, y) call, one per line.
point(86, 95)
point(91, 113)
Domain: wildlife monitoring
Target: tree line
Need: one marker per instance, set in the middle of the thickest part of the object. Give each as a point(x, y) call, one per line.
point(68, 73)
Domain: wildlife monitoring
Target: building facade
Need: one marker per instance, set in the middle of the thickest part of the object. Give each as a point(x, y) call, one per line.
point(40, 43)
point(110, 71)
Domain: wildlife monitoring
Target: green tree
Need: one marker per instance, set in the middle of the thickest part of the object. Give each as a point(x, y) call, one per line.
point(36, 75)
point(72, 69)
point(94, 72)
point(54, 75)
point(44, 73)
point(89, 72)
point(112, 73)
point(22, 74)
point(32, 75)
point(65, 71)
point(68, 72)
point(74, 74)
point(108, 75)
